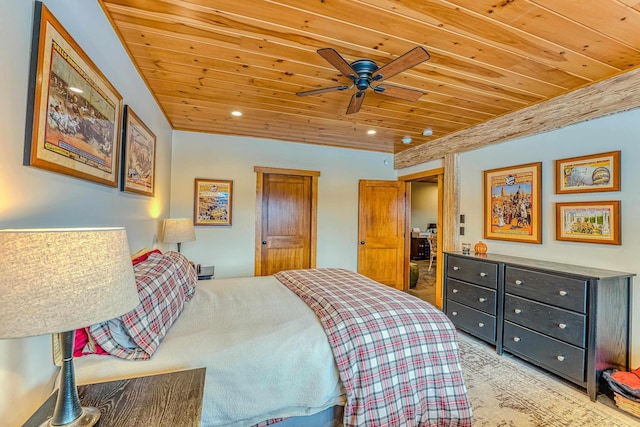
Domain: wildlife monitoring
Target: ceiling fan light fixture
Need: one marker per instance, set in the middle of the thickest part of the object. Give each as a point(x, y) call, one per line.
point(427, 132)
point(406, 140)
point(371, 132)
point(236, 113)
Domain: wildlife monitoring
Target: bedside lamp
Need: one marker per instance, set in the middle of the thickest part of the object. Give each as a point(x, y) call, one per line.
point(59, 280)
point(178, 231)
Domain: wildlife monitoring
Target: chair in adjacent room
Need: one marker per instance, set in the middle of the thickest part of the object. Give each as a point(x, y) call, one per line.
point(433, 249)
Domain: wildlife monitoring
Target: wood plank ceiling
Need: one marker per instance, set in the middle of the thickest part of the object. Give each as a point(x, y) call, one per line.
point(202, 59)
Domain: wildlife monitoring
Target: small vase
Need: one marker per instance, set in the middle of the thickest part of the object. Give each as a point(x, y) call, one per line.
point(480, 248)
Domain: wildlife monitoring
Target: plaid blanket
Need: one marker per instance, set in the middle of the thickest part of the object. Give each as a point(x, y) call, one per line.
point(397, 355)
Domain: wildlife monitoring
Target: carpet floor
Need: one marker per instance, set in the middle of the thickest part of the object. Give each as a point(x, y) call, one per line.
point(507, 392)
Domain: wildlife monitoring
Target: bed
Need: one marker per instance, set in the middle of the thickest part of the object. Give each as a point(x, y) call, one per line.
point(302, 347)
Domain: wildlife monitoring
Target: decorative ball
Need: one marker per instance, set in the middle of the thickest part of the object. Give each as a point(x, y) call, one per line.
point(480, 248)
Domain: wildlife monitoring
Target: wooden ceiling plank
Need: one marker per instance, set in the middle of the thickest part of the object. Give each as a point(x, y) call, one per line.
point(544, 23)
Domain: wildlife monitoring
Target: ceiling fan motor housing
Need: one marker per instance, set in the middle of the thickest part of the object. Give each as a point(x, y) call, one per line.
point(365, 69)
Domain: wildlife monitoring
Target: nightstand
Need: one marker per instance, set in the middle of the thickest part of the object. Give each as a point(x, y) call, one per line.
point(206, 273)
point(173, 399)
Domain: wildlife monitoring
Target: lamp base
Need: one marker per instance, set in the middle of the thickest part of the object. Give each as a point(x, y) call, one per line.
point(89, 417)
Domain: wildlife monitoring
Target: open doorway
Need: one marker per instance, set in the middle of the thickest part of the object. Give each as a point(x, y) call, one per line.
point(423, 238)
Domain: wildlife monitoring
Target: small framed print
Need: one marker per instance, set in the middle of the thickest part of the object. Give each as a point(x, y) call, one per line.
point(588, 174)
point(589, 222)
point(138, 155)
point(512, 200)
point(212, 201)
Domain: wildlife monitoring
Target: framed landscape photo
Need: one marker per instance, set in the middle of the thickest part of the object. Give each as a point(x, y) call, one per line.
point(589, 222)
point(588, 174)
point(212, 202)
point(138, 155)
point(73, 113)
point(512, 209)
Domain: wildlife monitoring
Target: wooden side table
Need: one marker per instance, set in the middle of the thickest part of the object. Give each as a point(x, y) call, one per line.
point(168, 400)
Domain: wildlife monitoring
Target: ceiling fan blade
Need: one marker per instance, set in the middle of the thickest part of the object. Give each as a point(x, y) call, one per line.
point(356, 102)
point(399, 92)
point(410, 59)
point(322, 90)
point(334, 58)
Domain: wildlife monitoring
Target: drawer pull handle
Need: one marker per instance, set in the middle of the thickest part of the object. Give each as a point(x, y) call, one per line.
point(455, 291)
point(517, 311)
point(454, 313)
point(482, 299)
point(562, 326)
point(518, 282)
point(560, 358)
point(456, 268)
point(563, 293)
point(516, 339)
point(481, 324)
point(483, 274)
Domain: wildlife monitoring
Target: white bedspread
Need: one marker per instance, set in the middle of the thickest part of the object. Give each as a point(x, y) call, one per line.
point(265, 351)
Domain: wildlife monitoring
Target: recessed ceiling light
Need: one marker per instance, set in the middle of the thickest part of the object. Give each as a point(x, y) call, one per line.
point(236, 113)
point(371, 132)
point(427, 132)
point(406, 140)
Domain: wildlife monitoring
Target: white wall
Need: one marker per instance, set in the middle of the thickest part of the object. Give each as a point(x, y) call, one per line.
point(231, 248)
point(32, 197)
point(424, 204)
point(617, 132)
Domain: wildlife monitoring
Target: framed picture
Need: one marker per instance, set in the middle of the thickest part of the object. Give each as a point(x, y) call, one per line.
point(138, 155)
point(588, 174)
point(512, 209)
point(589, 222)
point(212, 202)
point(74, 114)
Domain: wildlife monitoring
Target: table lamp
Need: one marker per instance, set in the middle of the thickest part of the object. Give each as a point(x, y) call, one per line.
point(59, 280)
point(178, 230)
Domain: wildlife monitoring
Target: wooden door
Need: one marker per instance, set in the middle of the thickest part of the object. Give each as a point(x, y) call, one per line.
point(285, 221)
point(381, 223)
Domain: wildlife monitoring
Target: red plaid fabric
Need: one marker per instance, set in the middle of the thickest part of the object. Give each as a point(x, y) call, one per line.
point(397, 355)
point(185, 274)
point(161, 302)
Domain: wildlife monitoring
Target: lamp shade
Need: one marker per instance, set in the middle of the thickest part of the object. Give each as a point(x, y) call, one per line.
point(178, 230)
point(57, 280)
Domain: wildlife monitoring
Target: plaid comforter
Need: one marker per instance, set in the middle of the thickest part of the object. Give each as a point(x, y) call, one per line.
point(397, 355)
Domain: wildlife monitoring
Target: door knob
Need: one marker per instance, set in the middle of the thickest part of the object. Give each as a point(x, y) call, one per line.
point(362, 242)
point(264, 242)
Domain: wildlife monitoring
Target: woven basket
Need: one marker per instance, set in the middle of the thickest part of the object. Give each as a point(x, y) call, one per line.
point(627, 405)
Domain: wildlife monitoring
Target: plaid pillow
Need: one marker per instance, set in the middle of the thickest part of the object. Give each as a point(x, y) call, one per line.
point(162, 299)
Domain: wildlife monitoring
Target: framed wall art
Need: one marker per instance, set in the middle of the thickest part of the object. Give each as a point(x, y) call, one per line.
point(589, 222)
point(587, 174)
point(212, 202)
point(138, 155)
point(512, 206)
point(74, 113)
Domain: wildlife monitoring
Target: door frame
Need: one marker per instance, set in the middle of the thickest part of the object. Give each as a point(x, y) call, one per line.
point(416, 177)
point(260, 172)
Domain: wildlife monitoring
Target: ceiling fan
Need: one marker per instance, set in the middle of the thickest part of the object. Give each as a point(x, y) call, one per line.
point(364, 72)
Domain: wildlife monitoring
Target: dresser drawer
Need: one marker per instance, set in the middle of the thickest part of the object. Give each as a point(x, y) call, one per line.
point(561, 291)
point(563, 358)
point(478, 297)
point(478, 272)
point(562, 324)
point(473, 321)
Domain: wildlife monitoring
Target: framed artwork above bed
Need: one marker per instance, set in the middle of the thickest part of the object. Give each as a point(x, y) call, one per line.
point(138, 155)
point(73, 112)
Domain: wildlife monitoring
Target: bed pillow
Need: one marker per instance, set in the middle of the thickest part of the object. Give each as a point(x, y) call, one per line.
point(185, 274)
point(142, 255)
point(161, 302)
